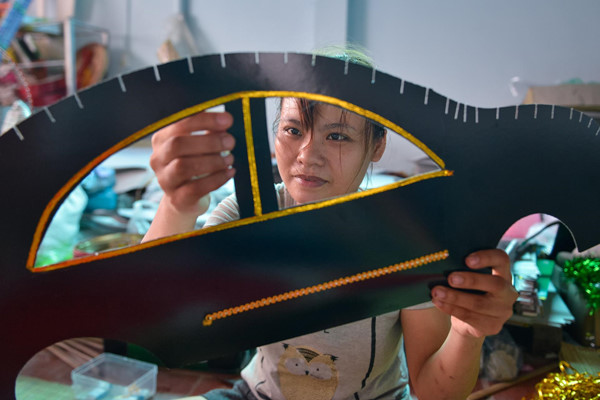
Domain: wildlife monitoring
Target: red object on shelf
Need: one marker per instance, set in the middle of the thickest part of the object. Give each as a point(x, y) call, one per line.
point(92, 63)
point(45, 91)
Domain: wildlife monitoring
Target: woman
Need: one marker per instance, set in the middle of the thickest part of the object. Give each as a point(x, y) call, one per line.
point(323, 152)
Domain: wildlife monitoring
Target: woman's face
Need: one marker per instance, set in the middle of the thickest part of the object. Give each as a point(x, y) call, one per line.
point(326, 160)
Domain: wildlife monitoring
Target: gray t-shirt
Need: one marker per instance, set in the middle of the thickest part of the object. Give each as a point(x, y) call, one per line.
point(360, 360)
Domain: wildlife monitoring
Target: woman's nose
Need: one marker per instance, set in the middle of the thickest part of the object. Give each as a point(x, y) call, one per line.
point(311, 152)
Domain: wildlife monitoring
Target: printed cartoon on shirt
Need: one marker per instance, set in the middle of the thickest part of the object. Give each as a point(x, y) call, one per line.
point(307, 374)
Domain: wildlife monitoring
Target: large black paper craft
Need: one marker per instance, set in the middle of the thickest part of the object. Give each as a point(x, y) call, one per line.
point(496, 166)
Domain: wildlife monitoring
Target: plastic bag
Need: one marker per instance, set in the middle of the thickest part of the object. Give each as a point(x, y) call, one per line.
point(501, 358)
point(59, 240)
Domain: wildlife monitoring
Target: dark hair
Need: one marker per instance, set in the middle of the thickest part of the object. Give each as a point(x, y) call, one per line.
point(309, 108)
point(351, 53)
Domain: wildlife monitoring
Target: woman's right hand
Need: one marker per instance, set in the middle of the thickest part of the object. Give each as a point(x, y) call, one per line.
point(188, 167)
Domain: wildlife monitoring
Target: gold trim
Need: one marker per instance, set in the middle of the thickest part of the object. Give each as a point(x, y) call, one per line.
point(347, 280)
point(357, 110)
point(64, 191)
point(247, 221)
point(251, 156)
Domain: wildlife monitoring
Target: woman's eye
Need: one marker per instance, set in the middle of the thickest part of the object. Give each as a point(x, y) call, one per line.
point(338, 137)
point(293, 131)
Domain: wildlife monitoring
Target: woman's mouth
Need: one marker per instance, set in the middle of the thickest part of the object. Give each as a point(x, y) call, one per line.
point(309, 180)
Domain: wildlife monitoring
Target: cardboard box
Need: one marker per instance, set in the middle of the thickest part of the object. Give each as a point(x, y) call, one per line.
point(585, 97)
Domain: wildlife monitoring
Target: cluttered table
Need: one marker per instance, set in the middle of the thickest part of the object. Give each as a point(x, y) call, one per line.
point(48, 374)
point(583, 360)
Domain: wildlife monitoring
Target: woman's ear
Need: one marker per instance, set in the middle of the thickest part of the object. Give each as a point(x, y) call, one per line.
point(379, 147)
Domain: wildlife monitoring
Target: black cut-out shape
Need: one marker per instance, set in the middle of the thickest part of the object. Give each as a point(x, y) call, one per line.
point(507, 163)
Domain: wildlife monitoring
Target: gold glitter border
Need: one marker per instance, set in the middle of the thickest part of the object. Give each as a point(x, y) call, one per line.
point(244, 96)
point(347, 280)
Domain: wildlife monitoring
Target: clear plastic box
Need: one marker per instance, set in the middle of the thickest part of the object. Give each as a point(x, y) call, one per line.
point(112, 377)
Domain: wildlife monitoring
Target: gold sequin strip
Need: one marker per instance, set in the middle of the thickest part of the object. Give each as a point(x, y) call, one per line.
point(417, 262)
point(568, 386)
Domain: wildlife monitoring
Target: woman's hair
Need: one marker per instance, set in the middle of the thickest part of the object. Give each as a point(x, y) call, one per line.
point(349, 52)
point(310, 108)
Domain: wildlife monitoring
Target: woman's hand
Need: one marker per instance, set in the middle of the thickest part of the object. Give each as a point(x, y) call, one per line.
point(443, 354)
point(479, 315)
point(188, 167)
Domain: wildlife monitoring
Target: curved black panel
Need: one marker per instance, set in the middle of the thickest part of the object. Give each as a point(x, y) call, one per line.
point(507, 163)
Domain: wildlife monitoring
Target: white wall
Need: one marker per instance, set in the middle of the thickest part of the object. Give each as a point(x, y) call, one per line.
point(470, 50)
point(139, 27)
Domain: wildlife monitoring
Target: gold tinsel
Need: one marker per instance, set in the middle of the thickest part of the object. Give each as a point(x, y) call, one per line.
point(566, 386)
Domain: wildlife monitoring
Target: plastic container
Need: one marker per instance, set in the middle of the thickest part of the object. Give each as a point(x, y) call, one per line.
point(546, 267)
point(112, 377)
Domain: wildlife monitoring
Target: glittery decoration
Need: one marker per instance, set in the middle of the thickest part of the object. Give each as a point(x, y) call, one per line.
point(244, 96)
point(417, 262)
point(251, 156)
point(568, 386)
point(585, 272)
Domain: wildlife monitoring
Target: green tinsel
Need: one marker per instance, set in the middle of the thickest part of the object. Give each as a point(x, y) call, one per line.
point(586, 274)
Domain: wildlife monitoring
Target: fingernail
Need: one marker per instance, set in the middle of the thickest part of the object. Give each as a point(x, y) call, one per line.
point(228, 142)
point(230, 172)
point(223, 119)
point(228, 159)
point(439, 293)
point(456, 279)
point(472, 260)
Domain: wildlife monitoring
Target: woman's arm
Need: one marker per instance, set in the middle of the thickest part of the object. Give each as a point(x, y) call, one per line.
point(443, 344)
point(188, 167)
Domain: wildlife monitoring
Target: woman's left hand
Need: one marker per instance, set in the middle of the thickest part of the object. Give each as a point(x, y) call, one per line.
point(479, 315)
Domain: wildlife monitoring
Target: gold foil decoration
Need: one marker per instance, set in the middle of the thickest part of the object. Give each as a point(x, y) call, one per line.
point(568, 386)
